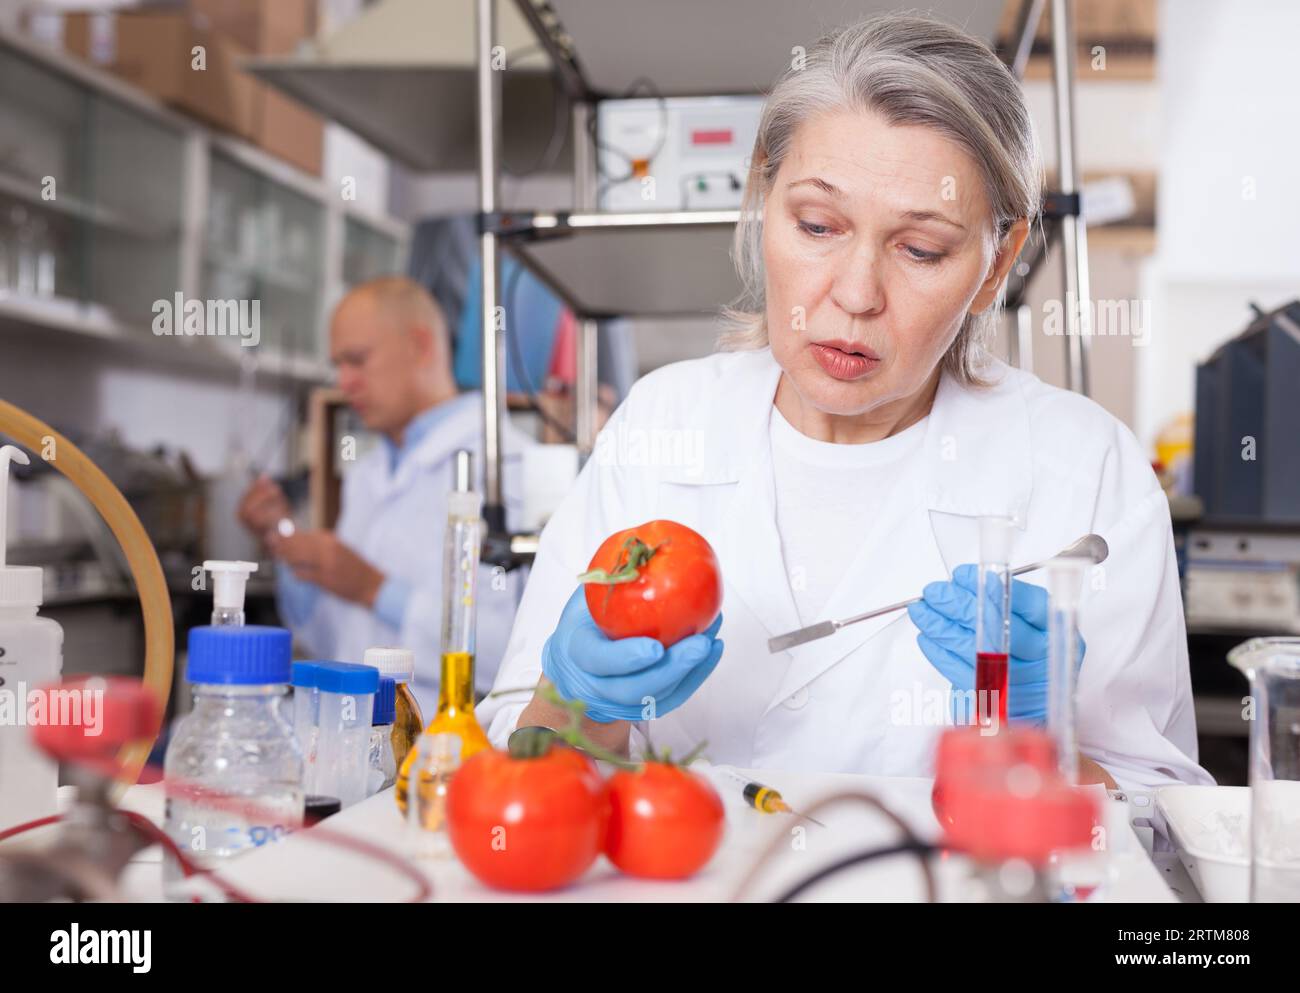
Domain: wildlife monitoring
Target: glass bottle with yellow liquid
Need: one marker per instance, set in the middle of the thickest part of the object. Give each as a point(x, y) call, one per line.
point(408, 724)
point(460, 557)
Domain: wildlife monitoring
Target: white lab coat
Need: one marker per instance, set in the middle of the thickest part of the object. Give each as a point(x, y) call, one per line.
point(396, 521)
point(690, 443)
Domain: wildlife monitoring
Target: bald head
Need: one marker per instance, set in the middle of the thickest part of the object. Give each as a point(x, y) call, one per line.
point(395, 303)
point(390, 344)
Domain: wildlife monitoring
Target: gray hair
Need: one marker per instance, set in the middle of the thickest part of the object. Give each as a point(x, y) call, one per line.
point(911, 70)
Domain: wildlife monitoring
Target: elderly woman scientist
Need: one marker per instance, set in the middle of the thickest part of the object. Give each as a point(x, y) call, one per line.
point(840, 449)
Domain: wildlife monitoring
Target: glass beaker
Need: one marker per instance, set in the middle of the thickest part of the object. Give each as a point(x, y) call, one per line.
point(1273, 667)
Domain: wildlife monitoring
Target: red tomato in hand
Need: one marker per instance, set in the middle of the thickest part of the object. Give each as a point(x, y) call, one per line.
point(527, 824)
point(665, 822)
point(660, 580)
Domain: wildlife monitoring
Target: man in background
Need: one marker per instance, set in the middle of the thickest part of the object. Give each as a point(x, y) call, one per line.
point(376, 578)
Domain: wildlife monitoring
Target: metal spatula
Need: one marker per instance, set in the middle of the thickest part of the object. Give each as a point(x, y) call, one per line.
point(1091, 546)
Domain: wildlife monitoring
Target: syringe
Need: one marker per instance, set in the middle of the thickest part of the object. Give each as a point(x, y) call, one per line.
point(762, 798)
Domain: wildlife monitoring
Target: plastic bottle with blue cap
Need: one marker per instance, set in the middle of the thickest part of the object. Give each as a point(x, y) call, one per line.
point(347, 696)
point(306, 715)
point(233, 768)
point(31, 655)
point(383, 764)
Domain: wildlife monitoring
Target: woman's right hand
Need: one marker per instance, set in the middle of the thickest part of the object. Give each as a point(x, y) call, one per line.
point(628, 679)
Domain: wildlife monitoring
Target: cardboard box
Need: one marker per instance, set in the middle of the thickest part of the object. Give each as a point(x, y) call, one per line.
point(265, 27)
point(92, 37)
point(287, 129)
point(1095, 20)
point(193, 69)
point(155, 50)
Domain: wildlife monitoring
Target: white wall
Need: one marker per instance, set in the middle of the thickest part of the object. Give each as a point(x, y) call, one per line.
point(1230, 93)
point(1116, 122)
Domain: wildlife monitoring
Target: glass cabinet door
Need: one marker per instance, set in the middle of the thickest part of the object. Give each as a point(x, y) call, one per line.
point(136, 185)
point(368, 252)
point(90, 197)
point(43, 181)
point(264, 243)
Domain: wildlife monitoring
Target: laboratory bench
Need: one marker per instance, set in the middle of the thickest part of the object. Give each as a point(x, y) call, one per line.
point(305, 868)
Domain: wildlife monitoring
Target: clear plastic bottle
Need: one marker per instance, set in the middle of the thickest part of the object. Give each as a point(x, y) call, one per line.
point(306, 718)
point(347, 707)
point(383, 767)
point(233, 768)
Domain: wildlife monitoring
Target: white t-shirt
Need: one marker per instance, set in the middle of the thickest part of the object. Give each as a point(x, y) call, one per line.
point(826, 494)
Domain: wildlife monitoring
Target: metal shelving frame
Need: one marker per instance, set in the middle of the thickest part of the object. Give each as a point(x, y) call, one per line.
point(496, 227)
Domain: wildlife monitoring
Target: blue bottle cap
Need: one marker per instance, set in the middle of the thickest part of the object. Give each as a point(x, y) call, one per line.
point(240, 656)
point(346, 677)
point(304, 674)
point(386, 701)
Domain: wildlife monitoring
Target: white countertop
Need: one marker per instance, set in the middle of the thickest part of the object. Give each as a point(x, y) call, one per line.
point(301, 868)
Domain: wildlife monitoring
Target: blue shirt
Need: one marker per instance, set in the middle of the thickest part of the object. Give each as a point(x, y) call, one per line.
point(298, 597)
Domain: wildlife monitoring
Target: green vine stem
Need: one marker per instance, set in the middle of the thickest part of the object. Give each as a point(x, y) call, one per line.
point(571, 734)
point(627, 569)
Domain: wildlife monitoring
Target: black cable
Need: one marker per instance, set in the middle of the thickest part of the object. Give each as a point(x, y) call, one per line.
point(918, 848)
point(516, 359)
point(642, 82)
point(562, 106)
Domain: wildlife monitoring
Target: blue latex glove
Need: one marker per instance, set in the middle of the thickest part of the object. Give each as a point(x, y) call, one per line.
point(945, 618)
point(614, 678)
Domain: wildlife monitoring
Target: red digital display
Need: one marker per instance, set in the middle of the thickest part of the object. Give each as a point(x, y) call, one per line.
point(716, 136)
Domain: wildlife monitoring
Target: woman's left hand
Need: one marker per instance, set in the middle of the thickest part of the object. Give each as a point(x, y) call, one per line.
point(945, 618)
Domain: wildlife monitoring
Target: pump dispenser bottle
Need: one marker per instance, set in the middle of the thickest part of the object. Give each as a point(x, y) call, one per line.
point(228, 582)
point(31, 656)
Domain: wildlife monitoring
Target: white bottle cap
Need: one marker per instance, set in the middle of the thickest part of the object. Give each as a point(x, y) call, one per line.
point(396, 663)
point(228, 581)
point(468, 505)
point(1065, 580)
point(995, 539)
point(20, 585)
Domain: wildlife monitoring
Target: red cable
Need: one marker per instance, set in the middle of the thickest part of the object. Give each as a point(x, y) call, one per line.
point(204, 797)
point(29, 826)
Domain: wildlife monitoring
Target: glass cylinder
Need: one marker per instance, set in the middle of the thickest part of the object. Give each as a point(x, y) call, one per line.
point(993, 623)
point(1273, 667)
point(1064, 588)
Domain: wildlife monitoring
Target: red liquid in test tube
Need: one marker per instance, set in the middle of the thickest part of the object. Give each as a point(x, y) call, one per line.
point(991, 688)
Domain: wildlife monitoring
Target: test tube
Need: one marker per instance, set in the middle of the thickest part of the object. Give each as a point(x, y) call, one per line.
point(1064, 587)
point(993, 623)
point(461, 549)
point(460, 559)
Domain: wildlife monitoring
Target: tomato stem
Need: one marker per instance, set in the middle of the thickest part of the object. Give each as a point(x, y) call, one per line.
point(665, 757)
point(635, 554)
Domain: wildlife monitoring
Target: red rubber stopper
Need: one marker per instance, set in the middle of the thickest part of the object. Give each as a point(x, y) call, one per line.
point(88, 718)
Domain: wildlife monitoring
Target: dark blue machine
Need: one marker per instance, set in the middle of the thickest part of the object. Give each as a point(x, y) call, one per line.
point(1247, 454)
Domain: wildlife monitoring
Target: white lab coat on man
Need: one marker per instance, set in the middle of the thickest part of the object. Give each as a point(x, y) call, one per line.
point(691, 444)
point(396, 522)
